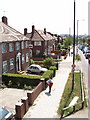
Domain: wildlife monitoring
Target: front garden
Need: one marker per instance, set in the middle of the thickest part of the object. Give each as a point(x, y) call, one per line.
point(29, 82)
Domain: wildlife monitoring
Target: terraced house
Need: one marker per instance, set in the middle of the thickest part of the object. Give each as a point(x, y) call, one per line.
point(14, 48)
point(42, 42)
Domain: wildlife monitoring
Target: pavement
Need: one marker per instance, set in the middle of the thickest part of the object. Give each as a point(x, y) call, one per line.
point(10, 96)
point(46, 105)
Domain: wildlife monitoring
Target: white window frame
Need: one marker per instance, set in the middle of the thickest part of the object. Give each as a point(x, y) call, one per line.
point(17, 46)
point(37, 43)
point(11, 63)
point(11, 47)
point(27, 45)
point(5, 66)
point(22, 45)
point(23, 59)
point(27, 57)
point(4, 47)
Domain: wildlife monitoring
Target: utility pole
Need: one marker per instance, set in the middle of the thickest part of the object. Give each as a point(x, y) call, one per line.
point(77, 37)
point(73, 51)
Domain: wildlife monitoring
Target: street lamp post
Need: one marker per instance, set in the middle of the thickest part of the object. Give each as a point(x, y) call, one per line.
point(77, 38)
point(73, 51)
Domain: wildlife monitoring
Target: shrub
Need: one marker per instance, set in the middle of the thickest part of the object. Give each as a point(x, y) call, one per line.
point(48, 74)
point(53, 68)
point(32, 61)
point(48, 62)
point(18, 80)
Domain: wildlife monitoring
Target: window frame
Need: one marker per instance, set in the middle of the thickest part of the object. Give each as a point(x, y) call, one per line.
point(4, 47)
point(5, 64)
point(11, 47)
point(11, 66)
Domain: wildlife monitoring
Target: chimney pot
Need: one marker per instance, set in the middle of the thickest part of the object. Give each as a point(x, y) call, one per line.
point(25, 31)
point(45, 31)
point(33, 29)
point(4, 20)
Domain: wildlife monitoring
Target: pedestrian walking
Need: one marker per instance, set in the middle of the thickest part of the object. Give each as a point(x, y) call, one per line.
point(50, 84)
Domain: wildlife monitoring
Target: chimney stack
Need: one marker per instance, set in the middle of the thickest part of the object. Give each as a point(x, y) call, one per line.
point(33, 29)
point(25, 31)
point(5, 20)
point(45, 31)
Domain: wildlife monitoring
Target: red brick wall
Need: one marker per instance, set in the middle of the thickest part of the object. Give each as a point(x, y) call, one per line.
point(32, 96)
point(8, 55)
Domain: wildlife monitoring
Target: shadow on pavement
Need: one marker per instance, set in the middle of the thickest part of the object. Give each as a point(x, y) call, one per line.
point(47, 93)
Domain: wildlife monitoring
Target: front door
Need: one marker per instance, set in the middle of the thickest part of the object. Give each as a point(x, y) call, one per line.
point(30, 53)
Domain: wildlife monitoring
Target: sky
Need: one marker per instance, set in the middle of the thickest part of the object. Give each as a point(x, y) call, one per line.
point(56, 16)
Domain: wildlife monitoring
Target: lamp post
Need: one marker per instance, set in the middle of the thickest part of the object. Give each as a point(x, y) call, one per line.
point(77, 38)
point(77, 34)
point(73, 66)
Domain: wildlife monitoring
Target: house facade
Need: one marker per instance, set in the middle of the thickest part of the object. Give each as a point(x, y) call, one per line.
point(42, 42)
point(14, 48)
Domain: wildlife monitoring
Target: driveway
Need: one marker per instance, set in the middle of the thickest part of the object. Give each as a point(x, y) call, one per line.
point(10, 96)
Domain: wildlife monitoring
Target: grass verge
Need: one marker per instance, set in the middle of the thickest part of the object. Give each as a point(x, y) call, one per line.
point(68, 94)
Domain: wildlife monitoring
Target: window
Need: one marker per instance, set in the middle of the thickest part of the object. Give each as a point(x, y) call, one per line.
point(27, 46)
point(37, 52)
point(23, 59)
point(4, 47)
point(17, 45)
point(11, 63)
point(37, 43)
point(5, 67)
point(22, 45)
point(27, 57)
point(11, 47)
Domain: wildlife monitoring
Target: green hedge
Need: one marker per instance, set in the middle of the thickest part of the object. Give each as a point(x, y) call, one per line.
point(53, 68)
point(20, 80)
point(48, 74)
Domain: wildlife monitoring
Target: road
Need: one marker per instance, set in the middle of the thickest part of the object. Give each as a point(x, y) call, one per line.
point(85, 67)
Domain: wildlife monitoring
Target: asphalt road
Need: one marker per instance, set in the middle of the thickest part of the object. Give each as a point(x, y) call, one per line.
point(85, 67)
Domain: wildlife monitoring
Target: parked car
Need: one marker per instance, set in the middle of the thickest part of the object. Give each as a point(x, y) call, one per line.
point(36, 69)
point(87, 54)
point(84, 50)
point(5, 114)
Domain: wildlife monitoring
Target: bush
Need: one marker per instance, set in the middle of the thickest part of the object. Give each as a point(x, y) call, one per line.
point(53, 68)
point(18, 80)
point(28, 87)
point(32, 61)
point(48, 62)
point(48, 74)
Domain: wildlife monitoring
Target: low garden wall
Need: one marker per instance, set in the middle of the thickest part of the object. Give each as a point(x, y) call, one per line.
point(22, 106)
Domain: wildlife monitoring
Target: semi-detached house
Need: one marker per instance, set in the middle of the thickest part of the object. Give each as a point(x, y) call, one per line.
point(42, 42)
point(14, 48)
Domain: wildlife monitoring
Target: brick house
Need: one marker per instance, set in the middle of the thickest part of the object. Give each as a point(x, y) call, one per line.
point(42, 42)
point(15, 48)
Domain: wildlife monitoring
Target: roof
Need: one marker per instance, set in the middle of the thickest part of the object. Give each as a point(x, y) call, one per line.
point(39, 35)
point(8, 33)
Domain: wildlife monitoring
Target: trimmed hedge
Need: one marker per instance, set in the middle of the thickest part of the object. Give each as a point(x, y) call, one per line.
point(20, 80)
point(54, 68)
point(48, 74)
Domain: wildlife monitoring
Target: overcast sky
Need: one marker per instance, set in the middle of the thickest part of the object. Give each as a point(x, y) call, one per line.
point(54, 15)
